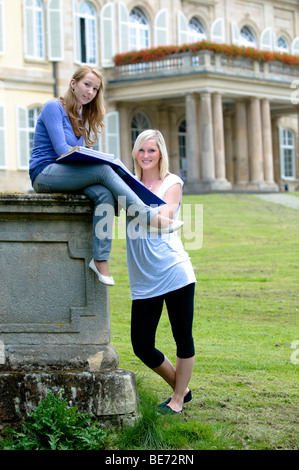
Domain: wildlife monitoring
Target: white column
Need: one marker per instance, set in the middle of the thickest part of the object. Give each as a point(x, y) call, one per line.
point(268, 147)
point(256, 147)
point(267, 141)
point(219, 148)
point(207, 142)
point(229, 148)
point(192, 145)
point(242, 169)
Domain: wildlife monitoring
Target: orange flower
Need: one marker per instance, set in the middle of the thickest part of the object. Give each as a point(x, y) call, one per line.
point(151, 54)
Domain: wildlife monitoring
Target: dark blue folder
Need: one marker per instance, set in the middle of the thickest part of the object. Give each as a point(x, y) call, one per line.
point(89, 156)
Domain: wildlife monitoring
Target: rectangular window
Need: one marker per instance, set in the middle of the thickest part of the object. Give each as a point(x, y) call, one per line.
point(288, 163)
point(86, 34)
point(34, 29)
point(287, 153)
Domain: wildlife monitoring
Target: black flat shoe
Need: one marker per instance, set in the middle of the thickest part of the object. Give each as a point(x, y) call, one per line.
point(166, 410)
point(187, 399)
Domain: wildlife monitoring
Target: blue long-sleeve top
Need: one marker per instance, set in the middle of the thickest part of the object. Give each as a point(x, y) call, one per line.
point(53, 137)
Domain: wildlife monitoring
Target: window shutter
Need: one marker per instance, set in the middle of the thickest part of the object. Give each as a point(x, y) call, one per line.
point(23, 141)
point(112, 134)
point(218, 31)
point(28, 31)
point(98, 145)
point(107, 35)
point(161, 28)
point(235, 33)
point(55, 31)
point(295, 46)
point(123, 28)
point(266, 43)
point(76, 33)
point(1, 26)
point(182, 28)
point(2, 139)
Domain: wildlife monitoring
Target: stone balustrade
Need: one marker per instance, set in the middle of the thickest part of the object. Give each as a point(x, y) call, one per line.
point(207, 61)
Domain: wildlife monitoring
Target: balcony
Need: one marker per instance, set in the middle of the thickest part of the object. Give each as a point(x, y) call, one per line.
point(179, 74)
point(206, 62)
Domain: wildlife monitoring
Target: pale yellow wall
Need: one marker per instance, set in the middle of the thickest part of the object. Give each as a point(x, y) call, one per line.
point(13, 57)
point(22, 83)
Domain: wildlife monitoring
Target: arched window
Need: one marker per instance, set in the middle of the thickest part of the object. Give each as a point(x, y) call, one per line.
point(287, 153)
point(139, 30)
point(182, 150)
point(197, 31)
point(282, 45)
point(247, 37)
point(34, 29)
point(88, 33)
point(140, 122)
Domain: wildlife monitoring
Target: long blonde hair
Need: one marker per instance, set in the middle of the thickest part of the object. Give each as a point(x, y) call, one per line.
point(164, 160)
point(90, 122)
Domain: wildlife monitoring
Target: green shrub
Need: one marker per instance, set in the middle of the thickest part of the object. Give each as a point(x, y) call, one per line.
point(56, 426)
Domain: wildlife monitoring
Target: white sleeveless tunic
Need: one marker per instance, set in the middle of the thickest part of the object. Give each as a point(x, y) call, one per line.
point(157, 263)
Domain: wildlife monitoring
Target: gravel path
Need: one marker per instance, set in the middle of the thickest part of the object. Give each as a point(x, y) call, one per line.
point(281, 198)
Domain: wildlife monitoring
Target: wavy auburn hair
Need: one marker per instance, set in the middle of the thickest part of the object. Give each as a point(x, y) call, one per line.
point(164, 160)
point(90, 122)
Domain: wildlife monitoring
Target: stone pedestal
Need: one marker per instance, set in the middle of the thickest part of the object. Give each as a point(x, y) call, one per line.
point(54, 313)
point(109, 395)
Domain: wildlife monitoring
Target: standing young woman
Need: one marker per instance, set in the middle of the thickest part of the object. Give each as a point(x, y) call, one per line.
point(160, 269)
point(76, 119)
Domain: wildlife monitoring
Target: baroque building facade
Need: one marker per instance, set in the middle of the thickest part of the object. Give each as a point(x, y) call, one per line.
point(230, 120)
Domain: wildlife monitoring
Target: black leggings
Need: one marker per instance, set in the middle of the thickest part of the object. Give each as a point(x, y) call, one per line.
point(146, 314)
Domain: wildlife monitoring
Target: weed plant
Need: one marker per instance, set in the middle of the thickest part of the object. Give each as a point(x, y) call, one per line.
point(53, 425)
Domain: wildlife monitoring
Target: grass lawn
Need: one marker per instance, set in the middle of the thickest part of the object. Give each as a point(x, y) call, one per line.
point(245, 385)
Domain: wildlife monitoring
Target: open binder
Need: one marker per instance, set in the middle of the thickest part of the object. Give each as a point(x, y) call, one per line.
point(89, 156)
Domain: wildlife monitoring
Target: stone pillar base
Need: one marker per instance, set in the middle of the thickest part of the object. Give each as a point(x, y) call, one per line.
point(221, 185)
point(206, 186)
point(28, 357)
point(263, 186)
point(109, 395)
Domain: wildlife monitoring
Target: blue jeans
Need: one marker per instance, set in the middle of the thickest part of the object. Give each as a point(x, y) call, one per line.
point(100, 183)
